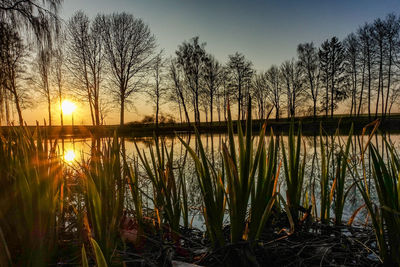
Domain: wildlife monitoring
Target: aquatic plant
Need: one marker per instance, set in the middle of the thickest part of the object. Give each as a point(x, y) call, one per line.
point(294, 166)
point(169, 194)
point(104, 194)
point(31, 184)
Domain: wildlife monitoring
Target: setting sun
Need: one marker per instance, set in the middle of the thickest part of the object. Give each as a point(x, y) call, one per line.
point(69, 155)
point(68, 107)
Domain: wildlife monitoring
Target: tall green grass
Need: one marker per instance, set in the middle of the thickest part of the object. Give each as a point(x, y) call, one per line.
point(334, 166)
point(244, 188)
point(294, 165)
point(339, 183)
point(169, 192)
point(325, 177)
point(212, 189)
point(240, 170)
point(236, 184)
point(264, 192)
point(31, 178)
point(104, 194)
point(137, 200)
point(385, 217)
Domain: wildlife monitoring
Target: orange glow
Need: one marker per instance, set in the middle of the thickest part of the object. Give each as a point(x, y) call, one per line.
point(68, 107)
point(69, 156)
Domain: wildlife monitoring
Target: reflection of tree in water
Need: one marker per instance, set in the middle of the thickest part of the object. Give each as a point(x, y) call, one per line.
point(212, 145)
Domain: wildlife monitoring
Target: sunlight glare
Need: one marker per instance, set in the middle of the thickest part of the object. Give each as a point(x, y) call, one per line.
point(68, 107)
point(69, 155)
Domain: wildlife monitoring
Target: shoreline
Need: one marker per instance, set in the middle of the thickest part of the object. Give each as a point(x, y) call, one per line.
point(310, 126)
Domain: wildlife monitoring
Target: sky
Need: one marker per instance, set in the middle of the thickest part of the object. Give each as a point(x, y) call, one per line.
point(266, 32)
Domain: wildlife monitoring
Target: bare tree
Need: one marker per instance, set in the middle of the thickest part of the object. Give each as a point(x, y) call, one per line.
point(331, 57)
point(378, 34)
point(364, 34)
point(259, 92)
point(58, 71)
point(240, 74)
point(86, 59)
point(40, 16)
point(157, 90)
point(309, 64)
point(212, 80)
point(96, 64)
point(392, 26)
point(129, 46)
point(274, 88)
point(291, 76)
point(177, 91)
point(12, 53)
point(225, 92)
point(351, 65)
point(394, 98)
point(190, 58)
point(43, 65)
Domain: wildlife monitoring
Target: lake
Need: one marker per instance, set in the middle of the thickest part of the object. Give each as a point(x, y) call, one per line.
point(75, 151)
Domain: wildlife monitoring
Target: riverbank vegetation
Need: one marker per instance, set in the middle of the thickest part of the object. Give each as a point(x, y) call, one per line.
point(98, 212)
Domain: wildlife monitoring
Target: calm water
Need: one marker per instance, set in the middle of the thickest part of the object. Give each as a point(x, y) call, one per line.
point(74, 151)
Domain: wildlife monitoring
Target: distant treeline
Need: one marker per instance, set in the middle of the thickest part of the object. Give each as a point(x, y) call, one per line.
point(105, 61)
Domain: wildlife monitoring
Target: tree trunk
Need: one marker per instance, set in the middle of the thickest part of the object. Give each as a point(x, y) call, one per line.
point(379, 82)
point(277, 112)
point(180, 112)
point(7, 104)
point(211, 108)
point(315, 107)
point(18, 107)
point(369, 85)
point(184, 106)
point(122, 114)
point(157, 110)
point(97, 109)
point(332, 88)
point(49, 108)
point(91, 107)
point(197, 119)
point(61, 111)
point(389, 76)
point(362, 89)
point(239, 97)
point(1, 105)
point(327, 98)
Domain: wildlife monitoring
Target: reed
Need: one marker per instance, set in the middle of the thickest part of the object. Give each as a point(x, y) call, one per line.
point(333, 170)
point(245, 188)
point(31, 180)
point(136, 194)
point(212, 189)
point(294, 166)
point(98, 254)
point(240, 170)
point(104, 194)
point(339, 182)
point(263, 196)
point(325, 189)
point(169, 194)
point(386, 219)
point(238, 184)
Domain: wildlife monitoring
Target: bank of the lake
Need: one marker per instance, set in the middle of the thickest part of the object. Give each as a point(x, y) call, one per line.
point(310, 126)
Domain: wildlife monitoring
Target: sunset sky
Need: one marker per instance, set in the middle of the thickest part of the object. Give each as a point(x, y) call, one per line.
point(266, 32)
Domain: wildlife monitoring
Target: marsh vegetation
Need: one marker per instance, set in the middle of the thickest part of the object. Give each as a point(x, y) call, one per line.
point(122, 201)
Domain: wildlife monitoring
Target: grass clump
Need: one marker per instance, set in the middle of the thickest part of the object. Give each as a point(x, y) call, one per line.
point(31, 184)
point(104, 195)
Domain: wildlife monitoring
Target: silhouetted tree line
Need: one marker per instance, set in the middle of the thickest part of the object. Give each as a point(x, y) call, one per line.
point(108, 59)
